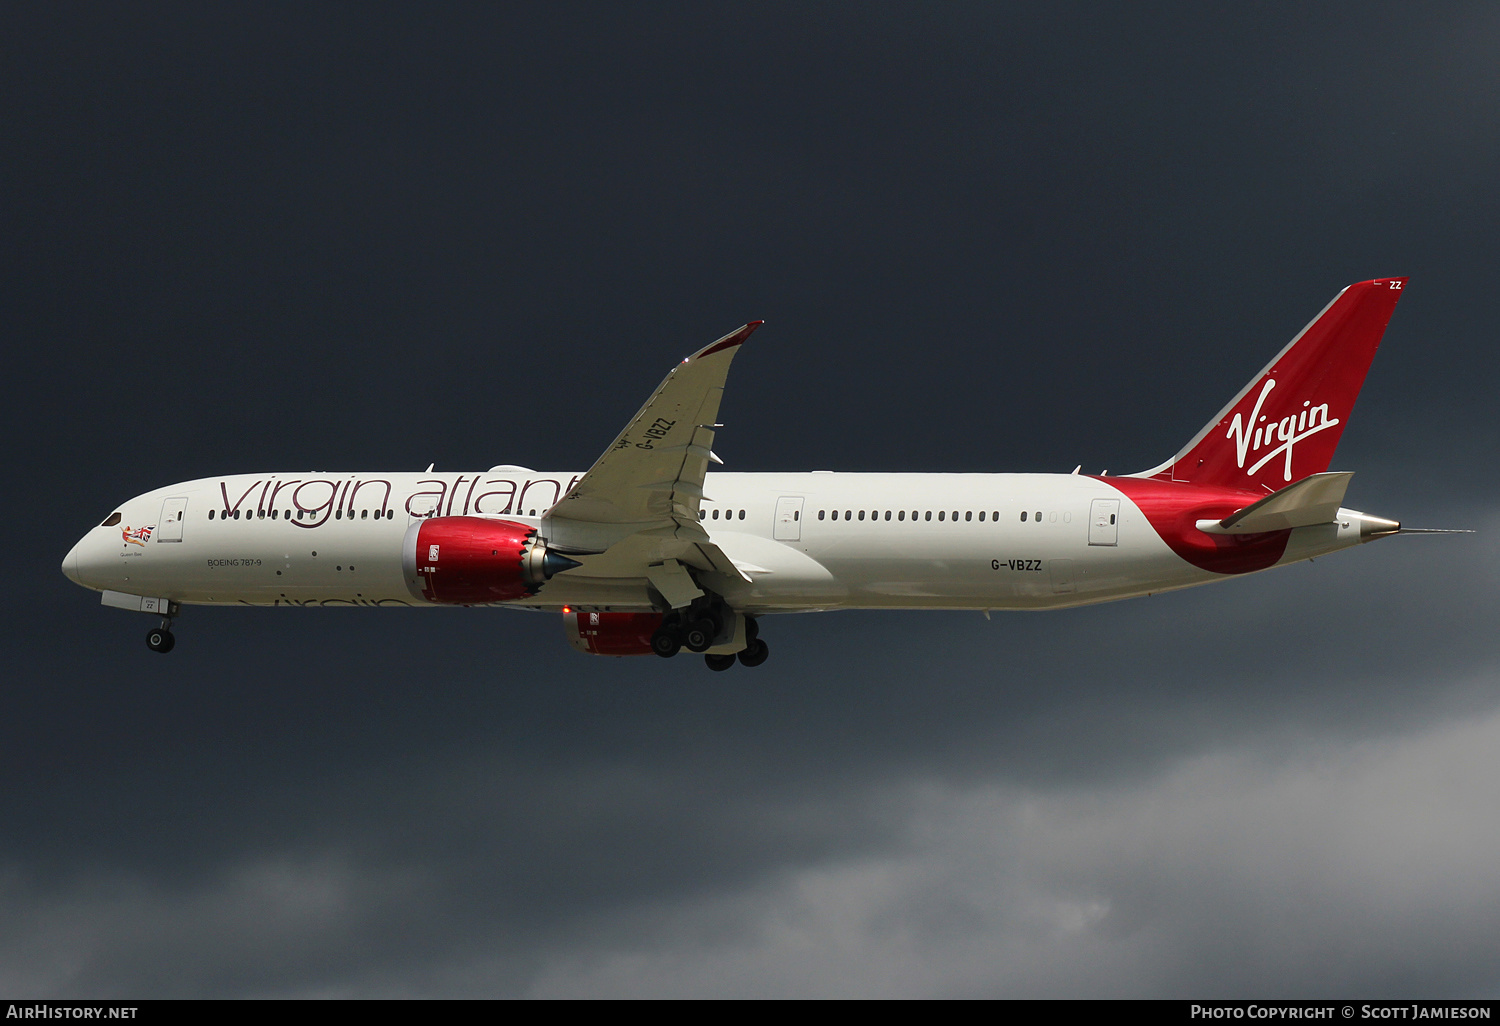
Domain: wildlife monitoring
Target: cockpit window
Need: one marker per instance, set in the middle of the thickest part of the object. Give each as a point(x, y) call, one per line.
point(114, 518)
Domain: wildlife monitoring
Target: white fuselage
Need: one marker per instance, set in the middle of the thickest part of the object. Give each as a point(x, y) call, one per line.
point(804, 541)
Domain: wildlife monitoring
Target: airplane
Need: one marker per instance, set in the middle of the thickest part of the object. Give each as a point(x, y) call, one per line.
point(647, 552)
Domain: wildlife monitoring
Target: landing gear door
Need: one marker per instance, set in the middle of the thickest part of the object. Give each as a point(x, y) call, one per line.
point(172, 512)
point(788, 518)
point(1104, 526)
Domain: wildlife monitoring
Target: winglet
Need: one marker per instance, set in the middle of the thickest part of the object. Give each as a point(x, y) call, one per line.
point(729, 341)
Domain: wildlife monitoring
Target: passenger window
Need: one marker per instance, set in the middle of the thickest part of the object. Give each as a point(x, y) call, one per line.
point(955, 516)
point(797, 515)
point(941, 514)
point(703, 514)
point(901, 515)
point(820, 514)
point(861, 514)
point(981, 516)
point(888, 514)
point(1023, 516)
point(928, 516)
point(716, 514)
point(1039, 516)
point(995, 516)
point(968, 514)
point(742, 514)
point(210, 516)
point(1111, 518)
point(273, 514)
point(236, 514)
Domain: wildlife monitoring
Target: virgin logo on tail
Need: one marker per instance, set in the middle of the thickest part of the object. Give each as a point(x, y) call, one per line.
point(1257, 433)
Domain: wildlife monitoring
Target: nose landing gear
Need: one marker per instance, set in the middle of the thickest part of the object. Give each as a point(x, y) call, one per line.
point(160, 639)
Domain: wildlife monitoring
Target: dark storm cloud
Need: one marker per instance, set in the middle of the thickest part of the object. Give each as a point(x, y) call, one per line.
point(494, 826)
point(983, 239)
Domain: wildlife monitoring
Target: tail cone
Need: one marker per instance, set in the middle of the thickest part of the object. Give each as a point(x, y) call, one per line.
point(1377, 527)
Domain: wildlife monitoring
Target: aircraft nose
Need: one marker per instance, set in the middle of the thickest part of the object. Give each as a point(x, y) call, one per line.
point(70, 563)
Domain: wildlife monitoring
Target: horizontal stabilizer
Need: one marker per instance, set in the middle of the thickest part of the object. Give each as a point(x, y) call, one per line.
point(1313, 500)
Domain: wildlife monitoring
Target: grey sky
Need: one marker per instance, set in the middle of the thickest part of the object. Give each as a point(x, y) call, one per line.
point(982, 238)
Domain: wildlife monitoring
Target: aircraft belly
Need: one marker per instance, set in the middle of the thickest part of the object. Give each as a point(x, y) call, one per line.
point(782, 574)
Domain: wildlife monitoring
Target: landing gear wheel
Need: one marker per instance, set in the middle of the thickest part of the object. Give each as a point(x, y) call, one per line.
point(755, 653)
point(666, 642)
point(159, 639)
point(699, 636)
point(752, 628)
point(719, 663)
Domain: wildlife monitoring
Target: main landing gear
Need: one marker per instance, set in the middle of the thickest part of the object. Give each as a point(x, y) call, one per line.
point(698, 629)
point(160, 639)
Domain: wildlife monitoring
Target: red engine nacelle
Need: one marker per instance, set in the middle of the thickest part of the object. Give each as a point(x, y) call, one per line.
point(611, 634)
point(472, 561)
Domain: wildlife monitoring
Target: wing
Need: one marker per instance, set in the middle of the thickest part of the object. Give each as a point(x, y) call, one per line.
point(637, 507)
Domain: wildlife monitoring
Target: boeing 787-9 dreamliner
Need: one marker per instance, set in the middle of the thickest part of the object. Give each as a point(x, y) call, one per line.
point(648, 552)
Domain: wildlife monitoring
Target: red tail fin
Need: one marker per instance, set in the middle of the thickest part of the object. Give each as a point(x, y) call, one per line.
point(1287, 421)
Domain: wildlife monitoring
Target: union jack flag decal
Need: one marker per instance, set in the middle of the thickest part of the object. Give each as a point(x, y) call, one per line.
point(140, 536)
